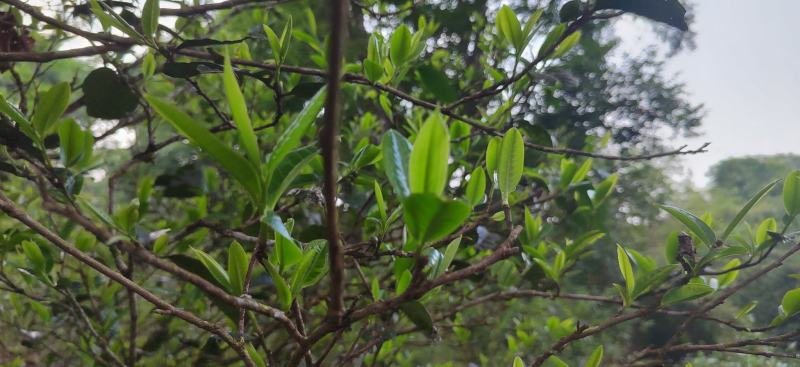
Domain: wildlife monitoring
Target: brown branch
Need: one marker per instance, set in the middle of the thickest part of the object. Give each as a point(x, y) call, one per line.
point(222, 5)
point(165, 307)
point(328, 139)
point(48, 56)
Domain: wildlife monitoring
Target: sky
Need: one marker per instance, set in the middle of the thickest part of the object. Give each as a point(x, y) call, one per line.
point(745, 70)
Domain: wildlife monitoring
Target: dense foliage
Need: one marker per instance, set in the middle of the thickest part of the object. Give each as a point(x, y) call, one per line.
point(380, 182)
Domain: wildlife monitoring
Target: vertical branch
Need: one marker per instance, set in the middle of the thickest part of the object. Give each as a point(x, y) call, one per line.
point(328, 142)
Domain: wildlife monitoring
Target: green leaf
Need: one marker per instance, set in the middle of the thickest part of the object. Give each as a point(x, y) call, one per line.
point(400, 45)
point(492, 157)
point(791, 302)
point(213, 267)
point(148, 65)
point(402, 282)
point(581, 172)
point(150, 14)
point(746, 309)
point(746, 208)
point(255, 356)
point(313, 266)
point(791, 193)
point(518, 362)
point(284, 293)
point(417, 313)
point(247, 136)
point(671, 248)
point(274, 43)
point(762, 232)
point(287, 251)
point(51, 106)
point(508, 26)
point(16, 115)
point(685, 293)
point(429, 156)
point(379, 200)
point(396, 152)
point(35, 257)
point(286, 172)
point(290, 138)
point(107, 96)
point(510, 163)
point(651, 280)
point(695, 224)
point(144, 192)
point(550, 41)
point(554, 361)
point(41, 310)
point(437, 83)
point(76, 145)
point(595, 358)
point(626, 269)
point(375, 289)
point(567, 44)
point(237, 267)
point(729, 277)
point(533, 227)
point(429, 217)
point(449, 255)
point(476, 187)
point(240, 168)
point(603, 189)
point(273, 220)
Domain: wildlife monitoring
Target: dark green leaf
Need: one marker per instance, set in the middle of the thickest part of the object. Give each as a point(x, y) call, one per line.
point(429, 217)
point(437, 83)
point(670, 12)
point(417, 313)
point(107, 96)
point(695, 224)
point(685, 293)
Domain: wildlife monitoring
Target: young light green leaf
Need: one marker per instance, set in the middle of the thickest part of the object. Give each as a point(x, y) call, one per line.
point(429, 156)
point(595, 358)
point(762, 232)
point(150, 13)
point(379, 200)
point(671, 248)
point(603, 189)
point(237, 166)
point(145, 189)
point(274, 43)
point(148, 65)
point(51, 106)
point(744, 311)
point(567, 44)
point(695, 224)
point(213, 267)
point(510, 163)
point(476, 187)
point(76, 145)
point(400, 45)
point(402, 282)
point(290, 138)
point(284, 292)
point(685, 293)
point(746, 208)
point(508, 26)
point(287, 251)
point(549, 44)
point(429, 217)
point(518, 362)
point(238, 262)
point(581, 172)
point(791, 193)
point(447, 259)
point(396, 152)
point(35, 257)
point(492, 155)
point(791, 302)
point(626, 269)
point(375, 289)
point(729, 277)
point(313, 267)
point(247, 136)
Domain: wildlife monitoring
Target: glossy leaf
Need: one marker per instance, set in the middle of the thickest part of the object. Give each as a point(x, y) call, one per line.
point(791, 193)
point(595, 358)
point(429, 217)
point(696, 225)
point(509, 27)
point(400, 45)
point(238, 261)
point(417, 313)
point(746, 208)
point(237, 166)
point(150, 14)
point(51, 106)
point(476, 187)
point(429, 156)
point(685, 293)
point(510, 163)
point(213, 267)
point(567, 44)
point(247, 137)
point(396, 154)
point(492, 157)
point(402, 282)
point(626, 269)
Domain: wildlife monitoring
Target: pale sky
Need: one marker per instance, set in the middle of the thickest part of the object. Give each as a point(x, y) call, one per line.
point(745, 71)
